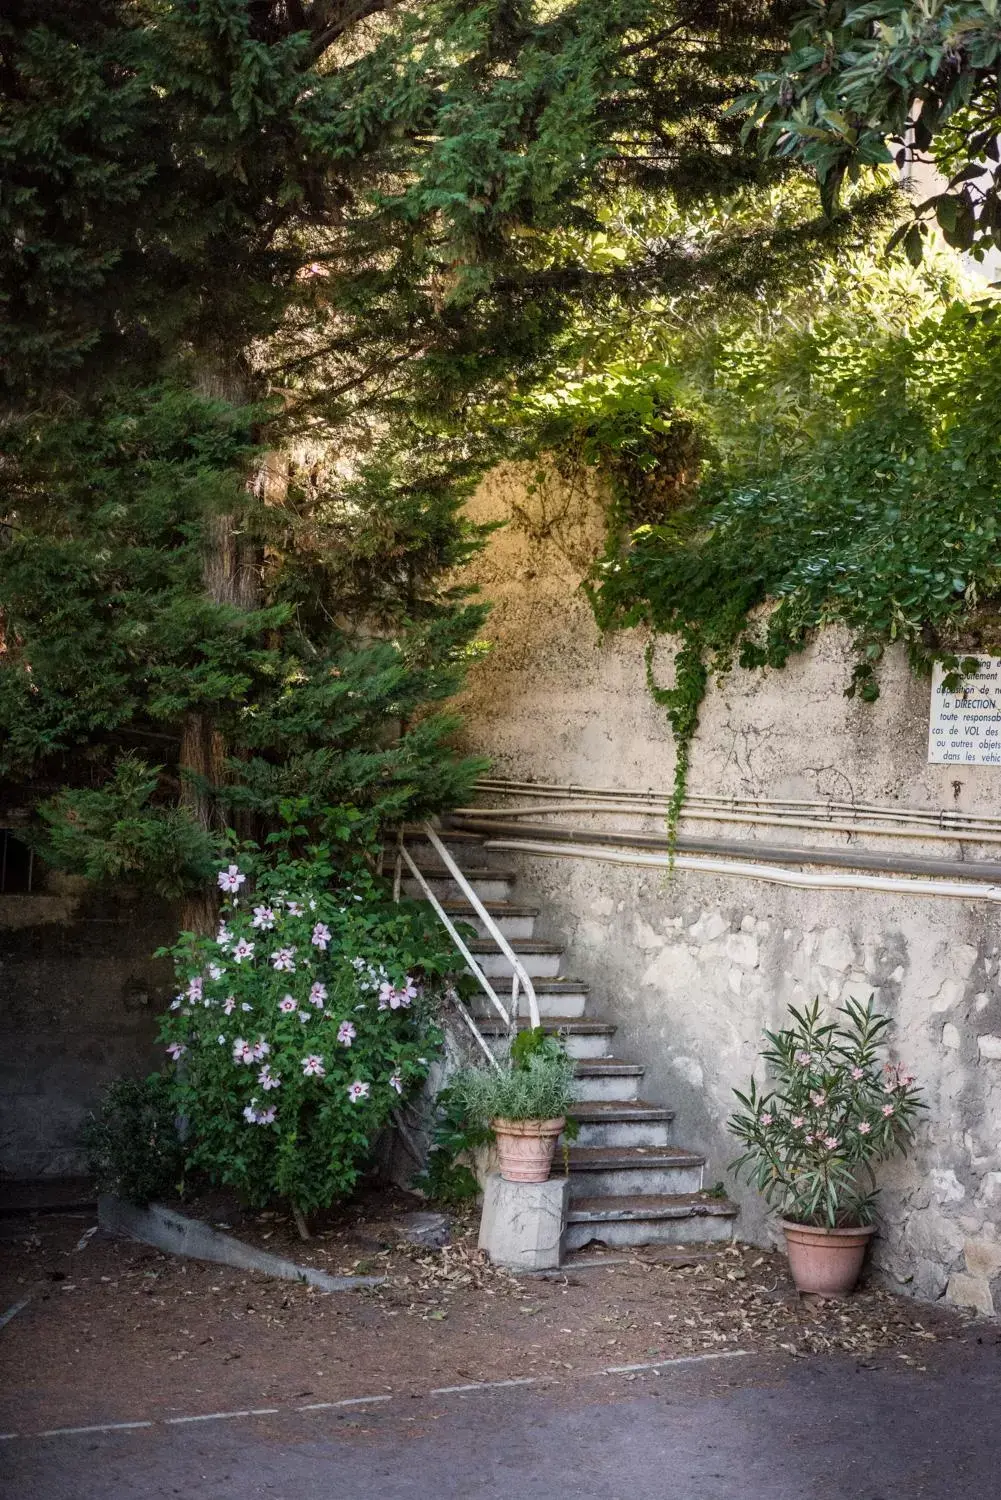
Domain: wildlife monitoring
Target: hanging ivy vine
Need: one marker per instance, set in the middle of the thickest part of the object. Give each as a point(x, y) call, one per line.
point(821, 478)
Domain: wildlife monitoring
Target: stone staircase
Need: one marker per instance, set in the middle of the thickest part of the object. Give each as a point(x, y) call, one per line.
point(629, 1184)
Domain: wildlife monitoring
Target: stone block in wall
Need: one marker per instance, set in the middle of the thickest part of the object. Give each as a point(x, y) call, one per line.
point(970, 1291)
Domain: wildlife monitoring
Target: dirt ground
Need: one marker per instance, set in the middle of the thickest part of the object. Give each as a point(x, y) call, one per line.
point(116, 1331)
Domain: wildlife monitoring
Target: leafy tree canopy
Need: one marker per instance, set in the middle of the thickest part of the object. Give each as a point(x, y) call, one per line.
point(895, 80)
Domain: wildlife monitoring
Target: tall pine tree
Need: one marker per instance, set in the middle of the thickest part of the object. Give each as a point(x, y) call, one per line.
point(262, 263)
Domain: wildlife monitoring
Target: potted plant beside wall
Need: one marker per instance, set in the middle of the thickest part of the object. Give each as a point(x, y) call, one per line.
point(833, 1110)
point(523, 1103)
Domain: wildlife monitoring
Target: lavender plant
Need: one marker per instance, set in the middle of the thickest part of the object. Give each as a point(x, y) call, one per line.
point(300, 1024)
point(833, 1111)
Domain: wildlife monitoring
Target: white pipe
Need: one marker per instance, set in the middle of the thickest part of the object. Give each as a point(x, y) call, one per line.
point(776, 874)
point(931, 831)
point(942, 818)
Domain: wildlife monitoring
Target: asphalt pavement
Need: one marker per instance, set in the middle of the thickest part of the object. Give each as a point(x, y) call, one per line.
point(743, 1429)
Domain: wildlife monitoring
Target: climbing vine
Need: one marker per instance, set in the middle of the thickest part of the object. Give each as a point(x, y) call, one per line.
point(843, 471)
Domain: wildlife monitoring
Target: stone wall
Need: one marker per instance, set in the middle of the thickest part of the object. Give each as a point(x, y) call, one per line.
point(693, 966)
point(79, 999)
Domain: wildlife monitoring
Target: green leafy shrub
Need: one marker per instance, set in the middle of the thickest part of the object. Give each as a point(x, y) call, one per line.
point(301, 1024)
point(446, 1179)
point(832, 1113)
point(132, 1144)
point(536, 1082)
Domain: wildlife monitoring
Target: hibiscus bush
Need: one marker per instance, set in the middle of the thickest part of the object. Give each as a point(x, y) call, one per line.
point(300, 1024)
point(832, 1113)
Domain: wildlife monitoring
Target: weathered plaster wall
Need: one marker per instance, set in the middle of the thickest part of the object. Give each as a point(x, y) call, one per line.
point(693, 967)
point(79, 999)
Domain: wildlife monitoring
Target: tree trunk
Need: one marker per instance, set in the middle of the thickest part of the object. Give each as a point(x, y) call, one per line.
point(231, 574)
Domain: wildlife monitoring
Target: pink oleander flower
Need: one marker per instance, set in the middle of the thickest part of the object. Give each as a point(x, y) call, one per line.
point(904, 1080)
point(243, 950)
point(231, 879)
point(223, 937)
point(803, 1058)
point(797, 1122)
point(395, 999)
point(766, 1118)
point(808, 1139)
point(312, 1066)
point(858, 1074)
point(284, 958)
point(287, 1005)
point(817, 1098)
point(195, 989)
point(887, 1111)
point(864, 1128)
point(264, 918)
point(229, 1004)
point(243, 1051)
point(346, 1033)
point(358, 1090)
point(831, 1142)
point(214, 971)
point(267, 1079)
point(295, 908)
point(317, 995)
point(396, 1082)
point(176, 1050)
point(321, 936)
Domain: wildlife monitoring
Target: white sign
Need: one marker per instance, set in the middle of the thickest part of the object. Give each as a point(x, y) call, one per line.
point(965, 726)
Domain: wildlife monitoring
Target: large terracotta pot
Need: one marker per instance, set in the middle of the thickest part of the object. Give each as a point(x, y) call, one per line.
point(826, 1262)
point(525, 1147)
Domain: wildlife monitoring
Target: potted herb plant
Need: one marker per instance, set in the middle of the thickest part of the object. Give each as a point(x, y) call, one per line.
point(523, 1103)
point(832, 1112)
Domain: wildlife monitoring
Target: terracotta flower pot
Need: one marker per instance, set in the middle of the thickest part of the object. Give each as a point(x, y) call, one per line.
point(826, 1262)
point(525, 1147)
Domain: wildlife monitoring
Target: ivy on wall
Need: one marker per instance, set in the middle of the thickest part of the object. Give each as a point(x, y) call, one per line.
point(770, 480)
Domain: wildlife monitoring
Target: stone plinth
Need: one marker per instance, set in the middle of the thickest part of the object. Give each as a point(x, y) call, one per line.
point(523, 1222)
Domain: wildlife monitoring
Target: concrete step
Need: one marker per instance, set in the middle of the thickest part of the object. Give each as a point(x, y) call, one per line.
point(489, 885)
point(556, 997)
point(514, 920)
point(540, 960)
point(582, 1039)
point(465, 849)
point(649, 1219)
point(628, 1171)
point(608, 1078)
point(636, 1123)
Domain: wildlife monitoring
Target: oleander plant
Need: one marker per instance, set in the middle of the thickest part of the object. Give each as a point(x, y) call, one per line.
point(300, 1024)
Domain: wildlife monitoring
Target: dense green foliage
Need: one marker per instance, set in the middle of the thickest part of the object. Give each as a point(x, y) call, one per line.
point(895, 79)
point(231, 229)
point(133, 1148)
point(830, 1113)
point(831, 461)
point(300, 1025)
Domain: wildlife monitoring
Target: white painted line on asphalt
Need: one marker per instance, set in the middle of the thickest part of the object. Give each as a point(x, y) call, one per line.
point(667, 1364)
point(349, 1401)
point(442, 1390)
point(97, 1427)
point(481, 1385)
point(223, 1416)
point(12, 1312)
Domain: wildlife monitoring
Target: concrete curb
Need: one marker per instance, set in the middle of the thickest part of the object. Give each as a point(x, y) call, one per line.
point(178, 1235)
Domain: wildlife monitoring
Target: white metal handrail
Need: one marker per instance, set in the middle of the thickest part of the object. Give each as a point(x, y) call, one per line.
point(520, 980)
